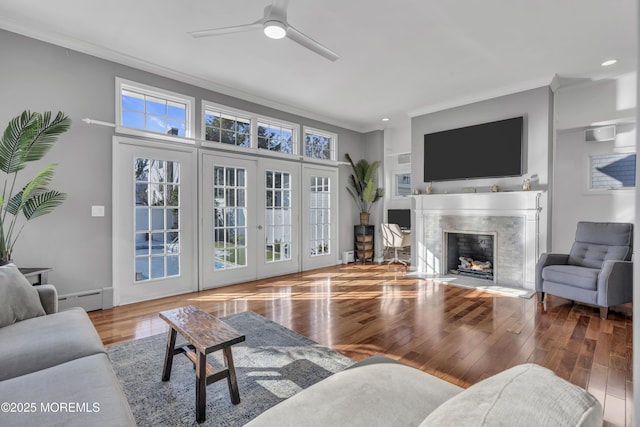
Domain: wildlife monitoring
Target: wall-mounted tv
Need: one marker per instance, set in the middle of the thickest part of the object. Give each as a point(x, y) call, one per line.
point(486, 150)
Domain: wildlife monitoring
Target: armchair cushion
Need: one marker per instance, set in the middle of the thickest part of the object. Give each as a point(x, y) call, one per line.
point(596, 242)
point(572, 275)
point(18, 298)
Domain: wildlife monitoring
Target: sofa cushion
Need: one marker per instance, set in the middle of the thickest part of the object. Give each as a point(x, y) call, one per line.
point(18, 299)
point(572, 275)
point(42, 342)
point(88, 384)
point(381, 394)
point(525, 395)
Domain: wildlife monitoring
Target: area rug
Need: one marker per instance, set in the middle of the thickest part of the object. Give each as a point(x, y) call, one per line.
point(472, 283)
point(272, 364)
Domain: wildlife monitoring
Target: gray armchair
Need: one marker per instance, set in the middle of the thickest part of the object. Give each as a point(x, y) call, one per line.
point(598, 270)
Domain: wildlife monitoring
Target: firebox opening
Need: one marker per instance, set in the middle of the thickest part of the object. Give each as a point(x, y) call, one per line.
point(470, 254)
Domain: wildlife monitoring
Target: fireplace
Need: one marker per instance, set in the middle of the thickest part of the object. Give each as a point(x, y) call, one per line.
point(517, 220)
point(470, 254)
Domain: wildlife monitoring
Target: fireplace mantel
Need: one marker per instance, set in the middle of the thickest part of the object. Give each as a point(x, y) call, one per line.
point(515, 216)
point(500, 203)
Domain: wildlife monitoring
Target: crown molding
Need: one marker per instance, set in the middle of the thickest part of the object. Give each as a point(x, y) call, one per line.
point(48, 35)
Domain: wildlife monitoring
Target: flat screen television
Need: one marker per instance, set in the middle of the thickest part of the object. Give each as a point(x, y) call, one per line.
point(402, 217)
point(487, 150)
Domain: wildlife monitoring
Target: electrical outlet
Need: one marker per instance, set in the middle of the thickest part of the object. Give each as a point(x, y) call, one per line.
point(97, 210)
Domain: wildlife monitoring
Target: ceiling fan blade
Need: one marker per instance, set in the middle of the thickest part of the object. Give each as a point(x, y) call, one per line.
point(227, 30)
point(311, 44)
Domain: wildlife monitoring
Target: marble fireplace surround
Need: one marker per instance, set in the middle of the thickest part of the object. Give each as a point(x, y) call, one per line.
point(514, 217)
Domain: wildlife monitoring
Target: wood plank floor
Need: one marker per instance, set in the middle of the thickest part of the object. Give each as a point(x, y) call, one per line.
point(457, 334)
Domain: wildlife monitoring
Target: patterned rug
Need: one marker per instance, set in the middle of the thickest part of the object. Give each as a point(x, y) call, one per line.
point(272, 364)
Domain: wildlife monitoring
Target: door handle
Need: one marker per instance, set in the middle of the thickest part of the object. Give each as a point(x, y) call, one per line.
point(259, 227)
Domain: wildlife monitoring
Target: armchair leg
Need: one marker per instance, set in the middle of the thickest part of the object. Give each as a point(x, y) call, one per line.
point(540, 296)
point(604, 312)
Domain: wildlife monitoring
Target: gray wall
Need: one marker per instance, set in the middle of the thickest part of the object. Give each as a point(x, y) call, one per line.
point(41, 77)
point(536, 105)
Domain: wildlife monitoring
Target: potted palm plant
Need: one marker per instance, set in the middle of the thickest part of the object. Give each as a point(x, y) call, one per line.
point(364, 189)
point(27, 138)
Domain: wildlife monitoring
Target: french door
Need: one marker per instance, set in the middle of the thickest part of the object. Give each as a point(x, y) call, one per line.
point(154, 220)
point(249, 219)
point(278, 217)
point(228, 250)
point(319, 217)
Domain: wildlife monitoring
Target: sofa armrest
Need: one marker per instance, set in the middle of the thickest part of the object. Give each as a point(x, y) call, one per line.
point(545, 260)
point(48, 298)
point(615, 283)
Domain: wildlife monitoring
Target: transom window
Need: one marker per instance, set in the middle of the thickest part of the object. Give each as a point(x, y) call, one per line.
point(227, 128)
point(319, 144)
point(276, 136)
point(153, 110)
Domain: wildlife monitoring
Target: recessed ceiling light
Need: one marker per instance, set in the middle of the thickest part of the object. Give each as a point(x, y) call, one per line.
point(609, 62)
point(385, 119)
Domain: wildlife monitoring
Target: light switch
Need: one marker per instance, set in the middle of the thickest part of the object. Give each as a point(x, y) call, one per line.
point(97, 210)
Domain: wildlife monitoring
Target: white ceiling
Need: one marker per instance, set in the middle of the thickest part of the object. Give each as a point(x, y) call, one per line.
point(398, 58)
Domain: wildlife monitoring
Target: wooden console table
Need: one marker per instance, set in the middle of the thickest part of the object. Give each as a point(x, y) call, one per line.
point(205, 335)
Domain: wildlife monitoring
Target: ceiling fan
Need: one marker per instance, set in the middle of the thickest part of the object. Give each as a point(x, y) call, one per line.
point(274, 24)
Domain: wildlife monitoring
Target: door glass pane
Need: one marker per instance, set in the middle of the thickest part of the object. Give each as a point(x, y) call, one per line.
point(157, 253)
point(278, 217)
point(320, 211)
point(229, 221)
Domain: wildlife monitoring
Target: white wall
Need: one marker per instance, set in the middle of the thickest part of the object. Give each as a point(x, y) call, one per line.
point(397, 141)
point(577, 107)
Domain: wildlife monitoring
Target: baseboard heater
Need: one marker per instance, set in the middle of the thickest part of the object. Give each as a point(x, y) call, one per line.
point(95, 299)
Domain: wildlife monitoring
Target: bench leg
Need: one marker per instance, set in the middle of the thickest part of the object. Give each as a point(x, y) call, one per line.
point(201, 387)
point(231, 378)
point(168, 356)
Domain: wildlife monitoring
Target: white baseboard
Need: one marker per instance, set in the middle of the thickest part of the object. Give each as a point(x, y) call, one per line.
point(95, 299)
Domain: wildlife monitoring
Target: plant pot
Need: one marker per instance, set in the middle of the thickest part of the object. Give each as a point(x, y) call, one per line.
point(364, 218)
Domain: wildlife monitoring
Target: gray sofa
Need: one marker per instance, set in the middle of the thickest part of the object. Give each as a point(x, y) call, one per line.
point(382, 392)
point(53, 366)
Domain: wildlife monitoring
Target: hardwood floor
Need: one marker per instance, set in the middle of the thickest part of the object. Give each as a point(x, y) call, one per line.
point(457, 334)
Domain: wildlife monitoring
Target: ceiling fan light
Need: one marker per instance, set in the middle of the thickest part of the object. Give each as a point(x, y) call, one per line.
point(274, 29)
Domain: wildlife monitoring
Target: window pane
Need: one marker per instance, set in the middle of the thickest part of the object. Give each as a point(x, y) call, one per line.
point(317, 146)
point(177, 111)
point(132, 120)
point(613, 171)
point(157, 219)
point(156, 106)
point(142, 219)
point(156, 124)
point(132, 101)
